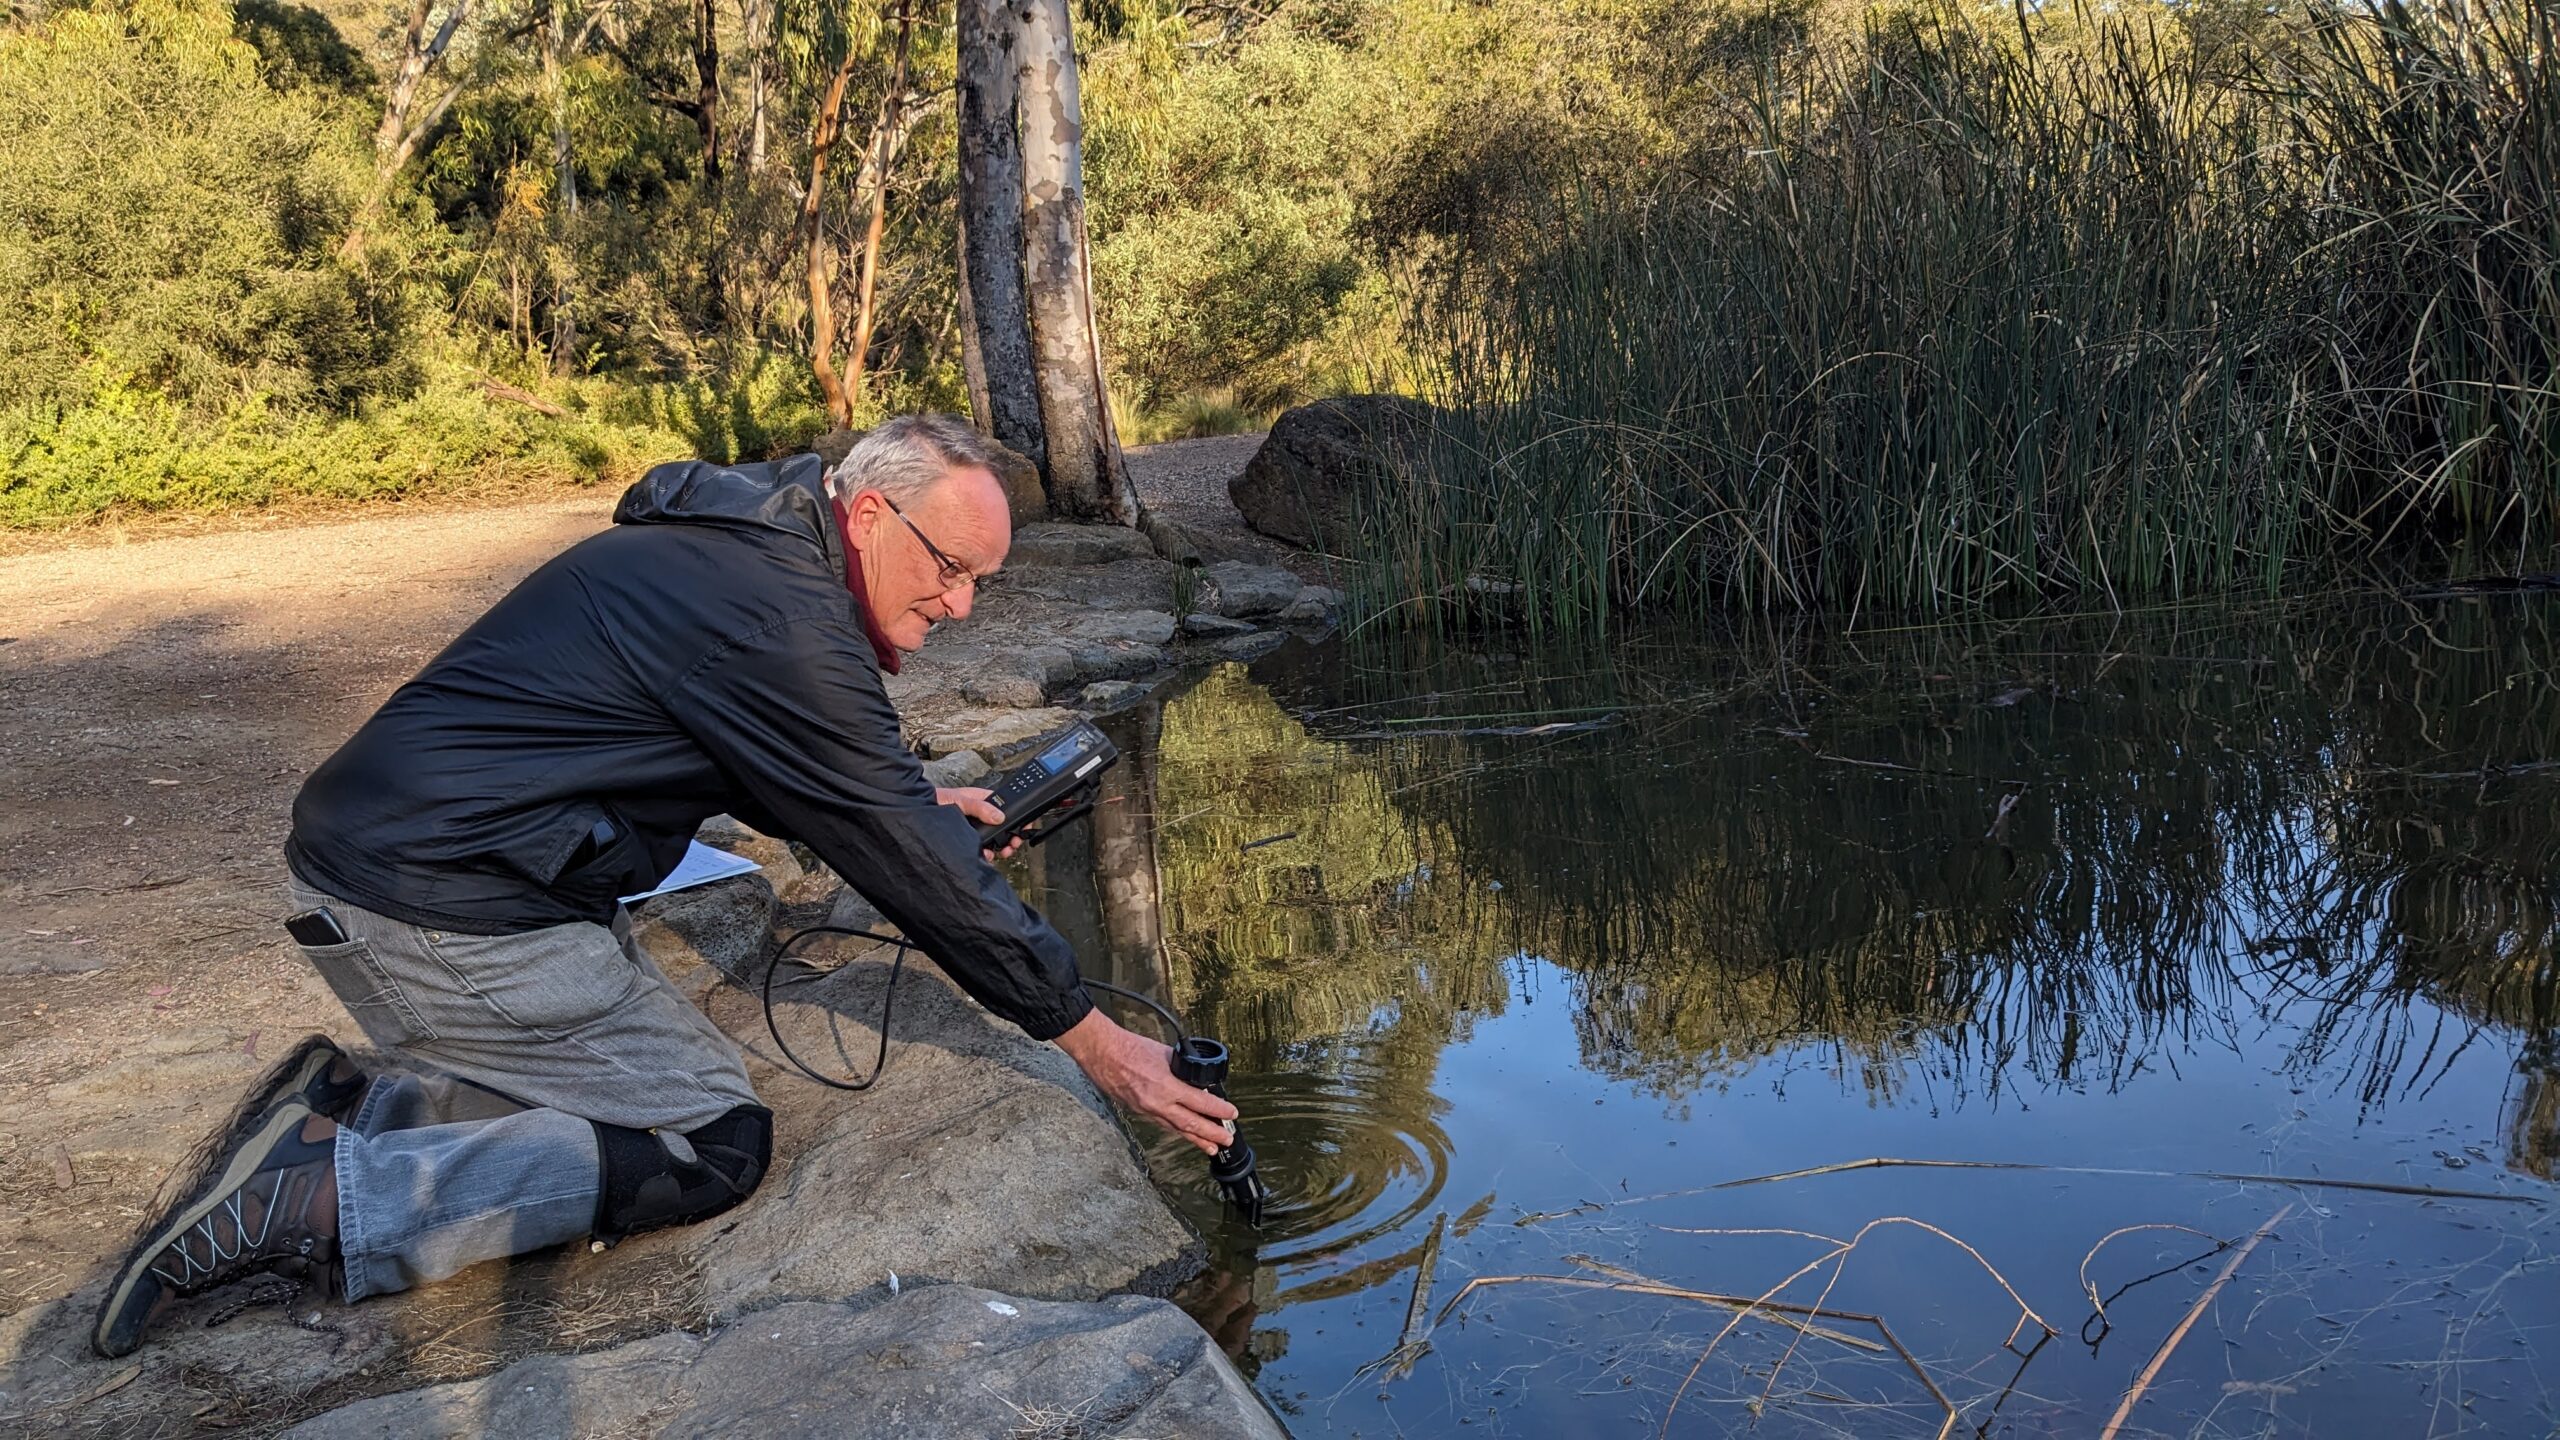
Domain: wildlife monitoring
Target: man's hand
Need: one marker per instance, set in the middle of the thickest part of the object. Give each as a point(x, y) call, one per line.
point(978, 803)
point(1138, 1073)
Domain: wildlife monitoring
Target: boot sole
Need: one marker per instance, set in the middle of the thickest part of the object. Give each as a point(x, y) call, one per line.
point(231, 1169)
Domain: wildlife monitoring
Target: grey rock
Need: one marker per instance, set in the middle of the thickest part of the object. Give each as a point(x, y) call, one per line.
point(1129, 627)
point(1236, 589)
point(926, 1173)
point(1118, 662)
point(721, 928)
point(1054, 544)
point(1023, 493)
point(854, 912)
point(1248, 648)
point(816, 883)
point(1303, 485)
point(991, 731)
point(960, 767)
point(1110, 694)
point(946, 1362)
point(1038, 599)
point(1174, 540)
point(1204, 626)
point(1315, 605)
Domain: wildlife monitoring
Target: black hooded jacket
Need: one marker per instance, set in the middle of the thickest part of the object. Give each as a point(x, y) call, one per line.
point(704, 655)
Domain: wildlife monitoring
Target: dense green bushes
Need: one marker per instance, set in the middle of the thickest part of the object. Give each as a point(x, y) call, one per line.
point(166, 213)
point(1964, 317)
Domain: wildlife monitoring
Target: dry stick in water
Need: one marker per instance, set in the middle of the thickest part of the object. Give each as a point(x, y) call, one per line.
point(2219, 1245)
point(1840, 1252)
point(1881, 1162)
point(1836, 1337)
point(2160, 1357)
point(1730, 1302)
point(1416, 1338)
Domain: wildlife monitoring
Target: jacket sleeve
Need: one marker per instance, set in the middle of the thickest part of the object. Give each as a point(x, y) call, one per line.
point(796, 716)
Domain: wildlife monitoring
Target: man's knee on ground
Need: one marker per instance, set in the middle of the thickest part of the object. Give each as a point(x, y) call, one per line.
point(656, 1178)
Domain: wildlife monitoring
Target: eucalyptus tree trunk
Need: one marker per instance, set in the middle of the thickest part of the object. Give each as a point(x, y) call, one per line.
point(888, 138)
point(822, 314)
point(1084, 474)
point(395, 139)
point(995, 320)
point(755, 18)
point(564, 224)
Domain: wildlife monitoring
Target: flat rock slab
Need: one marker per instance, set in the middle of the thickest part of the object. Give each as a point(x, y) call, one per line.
point(979, 1158)
point(949, 1362)
point(1055, 544)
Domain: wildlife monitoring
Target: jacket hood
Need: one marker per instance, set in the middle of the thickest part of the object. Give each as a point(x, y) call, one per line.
point(788, 496)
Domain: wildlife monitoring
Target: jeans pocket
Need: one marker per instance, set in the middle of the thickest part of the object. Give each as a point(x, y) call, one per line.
point(381, 1008)
point(552, 981)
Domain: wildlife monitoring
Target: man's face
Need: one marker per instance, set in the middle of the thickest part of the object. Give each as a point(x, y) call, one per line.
point(964, 516)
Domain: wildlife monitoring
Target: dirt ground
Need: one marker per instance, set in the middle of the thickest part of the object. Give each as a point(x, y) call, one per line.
point(159, 703)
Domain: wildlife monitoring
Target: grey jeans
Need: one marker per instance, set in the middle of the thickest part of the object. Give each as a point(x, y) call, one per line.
point(521, 1040)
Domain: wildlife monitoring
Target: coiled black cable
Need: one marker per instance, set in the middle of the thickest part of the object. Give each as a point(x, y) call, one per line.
point(889, 1001)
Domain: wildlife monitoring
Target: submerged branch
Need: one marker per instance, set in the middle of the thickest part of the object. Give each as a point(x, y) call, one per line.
point(2160, 1357)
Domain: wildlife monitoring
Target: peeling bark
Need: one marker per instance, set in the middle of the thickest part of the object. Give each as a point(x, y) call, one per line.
point(1004, 386)
point(1085, 476)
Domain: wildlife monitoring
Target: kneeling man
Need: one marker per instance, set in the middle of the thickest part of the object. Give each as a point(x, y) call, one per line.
point(456, 865)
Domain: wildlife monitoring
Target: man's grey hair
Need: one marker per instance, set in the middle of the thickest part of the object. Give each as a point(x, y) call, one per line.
point(902, 458)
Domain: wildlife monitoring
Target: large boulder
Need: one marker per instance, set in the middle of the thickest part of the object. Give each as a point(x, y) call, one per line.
point(943, 1361)
point(1302, 484)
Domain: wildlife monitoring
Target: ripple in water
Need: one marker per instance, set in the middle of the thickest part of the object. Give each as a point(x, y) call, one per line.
point(1348, 1158)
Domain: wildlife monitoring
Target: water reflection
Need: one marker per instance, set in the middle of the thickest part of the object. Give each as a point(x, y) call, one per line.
point(2300, 860)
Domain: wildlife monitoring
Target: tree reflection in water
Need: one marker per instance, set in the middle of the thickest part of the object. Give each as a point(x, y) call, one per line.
point(1987, 860)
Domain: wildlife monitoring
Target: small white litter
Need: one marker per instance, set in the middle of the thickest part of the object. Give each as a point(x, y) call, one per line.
point(1002, 1308)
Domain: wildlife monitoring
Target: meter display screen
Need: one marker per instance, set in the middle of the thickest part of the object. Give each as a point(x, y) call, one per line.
point(1062, 754)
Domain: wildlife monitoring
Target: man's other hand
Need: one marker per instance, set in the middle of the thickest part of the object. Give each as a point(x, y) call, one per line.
point(1138, 1073)
point(978, 803)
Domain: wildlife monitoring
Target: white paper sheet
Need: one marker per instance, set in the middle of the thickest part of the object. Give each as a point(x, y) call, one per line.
point(700, 866)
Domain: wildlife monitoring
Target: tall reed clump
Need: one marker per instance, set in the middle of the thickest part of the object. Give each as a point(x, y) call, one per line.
point(1956, 319)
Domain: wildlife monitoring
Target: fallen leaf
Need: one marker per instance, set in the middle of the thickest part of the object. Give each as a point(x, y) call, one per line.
point(112, 1383)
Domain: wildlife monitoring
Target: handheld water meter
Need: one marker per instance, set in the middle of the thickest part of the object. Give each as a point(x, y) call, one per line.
point(1058, 783)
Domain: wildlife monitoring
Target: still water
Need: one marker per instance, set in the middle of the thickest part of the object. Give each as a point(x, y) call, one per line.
point(1525, 959)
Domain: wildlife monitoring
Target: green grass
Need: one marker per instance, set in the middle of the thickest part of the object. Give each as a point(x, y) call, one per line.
point(1968, 318)
point(123, 448)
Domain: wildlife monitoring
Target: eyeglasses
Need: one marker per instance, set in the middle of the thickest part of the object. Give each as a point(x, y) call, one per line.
point(954, 574)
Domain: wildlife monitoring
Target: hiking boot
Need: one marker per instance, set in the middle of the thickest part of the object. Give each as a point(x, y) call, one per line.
point(319, 1072)
point(265, 1202)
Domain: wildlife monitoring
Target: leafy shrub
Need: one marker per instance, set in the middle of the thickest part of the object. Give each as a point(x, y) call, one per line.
point(190, 247)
